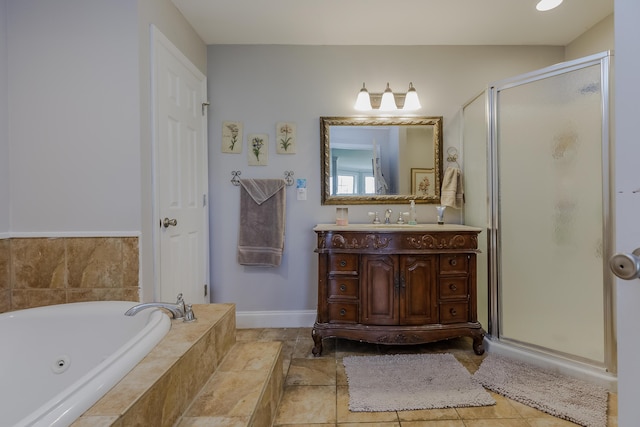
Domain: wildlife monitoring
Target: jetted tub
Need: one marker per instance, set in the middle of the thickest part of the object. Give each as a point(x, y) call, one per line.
point(57, 361)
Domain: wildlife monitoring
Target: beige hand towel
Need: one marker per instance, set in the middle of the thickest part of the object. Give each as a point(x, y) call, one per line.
point(452, 193)
point(262, 212)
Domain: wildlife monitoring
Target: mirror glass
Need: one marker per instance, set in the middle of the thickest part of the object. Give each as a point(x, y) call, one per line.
point(370, 160)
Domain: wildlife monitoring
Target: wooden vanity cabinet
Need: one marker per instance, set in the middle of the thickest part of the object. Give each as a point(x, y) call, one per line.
point(397, 286)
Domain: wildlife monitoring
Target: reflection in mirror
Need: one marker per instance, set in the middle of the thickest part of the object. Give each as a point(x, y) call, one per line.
point(367, 160)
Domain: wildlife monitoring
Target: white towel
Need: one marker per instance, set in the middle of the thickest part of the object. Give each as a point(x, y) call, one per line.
point(452, 193)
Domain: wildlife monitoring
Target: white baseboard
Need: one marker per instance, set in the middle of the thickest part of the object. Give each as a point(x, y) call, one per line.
point(578, 370)
point(275, 319)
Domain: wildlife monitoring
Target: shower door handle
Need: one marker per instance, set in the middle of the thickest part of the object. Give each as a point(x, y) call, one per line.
point(626, 266)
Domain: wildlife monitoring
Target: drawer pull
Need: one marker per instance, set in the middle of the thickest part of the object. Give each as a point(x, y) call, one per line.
point(343, 287)
point(453, 311)
point(453, 287)
point(453, 262)
point(343, 312)
point(343, 263)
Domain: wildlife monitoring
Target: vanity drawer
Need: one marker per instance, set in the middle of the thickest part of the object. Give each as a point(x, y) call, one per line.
point(454, 312)
point(454, 263)
point(343, 287)
point(453, 287)
point(343, 264)
point(343, 312)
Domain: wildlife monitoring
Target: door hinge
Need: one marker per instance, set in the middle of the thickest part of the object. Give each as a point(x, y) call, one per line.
point(206, 289)
point(204, 200)
point(204, 104)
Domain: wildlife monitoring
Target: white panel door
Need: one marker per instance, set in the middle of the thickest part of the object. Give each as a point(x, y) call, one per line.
point(627, 199)
point(179, 91)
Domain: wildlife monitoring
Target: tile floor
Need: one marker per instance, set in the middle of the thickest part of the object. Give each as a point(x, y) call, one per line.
point(316, 391)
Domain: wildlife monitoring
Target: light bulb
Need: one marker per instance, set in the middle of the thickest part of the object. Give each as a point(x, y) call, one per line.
point(363, 102)
point(388, 102)
point(411, 101)
point(544, 5)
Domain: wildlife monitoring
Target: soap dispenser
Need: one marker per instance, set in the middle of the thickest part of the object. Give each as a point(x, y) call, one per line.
point(413, 217)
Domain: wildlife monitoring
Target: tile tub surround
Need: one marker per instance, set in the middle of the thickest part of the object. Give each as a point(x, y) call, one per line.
point(244, 391)
point(45, 271)
point(162, 386)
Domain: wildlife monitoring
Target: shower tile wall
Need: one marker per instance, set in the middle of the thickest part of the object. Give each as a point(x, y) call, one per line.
point(45, 271)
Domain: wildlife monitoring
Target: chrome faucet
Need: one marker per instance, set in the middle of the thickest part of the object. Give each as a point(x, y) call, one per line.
point(387, 216)
point(179, 310)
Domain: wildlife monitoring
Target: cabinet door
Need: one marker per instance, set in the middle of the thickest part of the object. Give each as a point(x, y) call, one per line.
point(418, 301)
point(379, 290)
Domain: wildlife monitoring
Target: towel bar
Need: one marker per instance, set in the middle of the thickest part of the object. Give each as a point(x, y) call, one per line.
point(287, 177)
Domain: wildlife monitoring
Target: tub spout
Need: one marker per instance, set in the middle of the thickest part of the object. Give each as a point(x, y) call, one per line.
point(179, 310)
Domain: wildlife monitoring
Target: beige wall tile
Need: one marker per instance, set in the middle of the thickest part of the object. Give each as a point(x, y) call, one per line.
point(38, 263)
point(89, 268)
point(28, 298)
point(95, 262)
point(96, 294)
point(130, 262)
point(5, 300)
point(5, 262)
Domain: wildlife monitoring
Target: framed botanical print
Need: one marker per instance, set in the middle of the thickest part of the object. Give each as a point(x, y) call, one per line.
point(231, 137)
point(258, 149)
point(423, 182)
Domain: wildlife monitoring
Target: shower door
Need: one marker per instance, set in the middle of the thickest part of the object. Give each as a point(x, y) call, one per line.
point(550, 198)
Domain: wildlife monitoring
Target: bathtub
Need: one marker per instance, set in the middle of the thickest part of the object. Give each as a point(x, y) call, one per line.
point(57, 361)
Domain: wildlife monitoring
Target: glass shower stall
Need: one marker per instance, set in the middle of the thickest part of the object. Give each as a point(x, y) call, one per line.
point(545, 205)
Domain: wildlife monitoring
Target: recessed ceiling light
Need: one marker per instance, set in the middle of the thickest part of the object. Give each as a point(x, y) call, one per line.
point(544, 5)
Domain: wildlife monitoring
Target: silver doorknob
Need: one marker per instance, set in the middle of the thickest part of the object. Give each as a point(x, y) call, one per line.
point(167, 222)
point(626, 266)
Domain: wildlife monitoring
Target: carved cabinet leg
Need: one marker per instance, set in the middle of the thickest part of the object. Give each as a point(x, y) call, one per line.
point(317, 341)
point(478, 344)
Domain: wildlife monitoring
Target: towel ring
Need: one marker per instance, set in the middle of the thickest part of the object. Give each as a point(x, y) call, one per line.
point(452, 155)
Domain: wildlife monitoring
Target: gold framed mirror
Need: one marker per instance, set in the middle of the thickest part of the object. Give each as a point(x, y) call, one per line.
point(371, 160)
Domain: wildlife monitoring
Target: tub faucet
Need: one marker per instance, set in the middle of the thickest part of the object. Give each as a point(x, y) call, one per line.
point(179, 310)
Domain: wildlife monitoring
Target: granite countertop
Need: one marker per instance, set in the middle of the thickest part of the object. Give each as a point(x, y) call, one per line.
point(420, 228)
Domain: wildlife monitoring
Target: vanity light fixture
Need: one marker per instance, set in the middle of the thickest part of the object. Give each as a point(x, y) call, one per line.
point(387, 101)
point(544, 5)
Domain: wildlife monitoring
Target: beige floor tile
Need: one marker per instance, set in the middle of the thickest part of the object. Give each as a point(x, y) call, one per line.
point(613, 404)
point(279, 334)
point(316, 394)
point(502, 409)
point(307, 405)
point(229, 394)
point(436, 423)
point(497, 423)
point(306, 425)
point(214, 421)
point(248, 334)
point(368, 425)
point(355, 348)
point(549, 422)
point(312, 372)
point(428, 415)
point(528, 412)
point(346, 416)
point(304, 345)
point(250, 356)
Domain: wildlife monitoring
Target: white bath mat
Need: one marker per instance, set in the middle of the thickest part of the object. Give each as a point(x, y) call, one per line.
point(411, 381)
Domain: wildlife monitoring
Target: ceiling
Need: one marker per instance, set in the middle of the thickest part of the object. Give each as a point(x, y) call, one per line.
point(391, 22)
